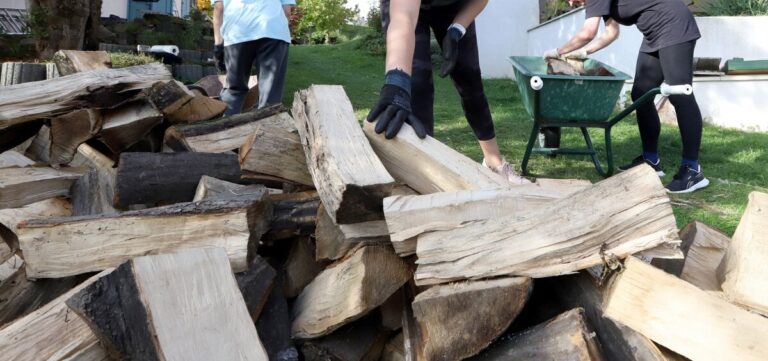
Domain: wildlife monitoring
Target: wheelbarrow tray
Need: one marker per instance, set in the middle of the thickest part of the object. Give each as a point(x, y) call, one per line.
point(564, 98)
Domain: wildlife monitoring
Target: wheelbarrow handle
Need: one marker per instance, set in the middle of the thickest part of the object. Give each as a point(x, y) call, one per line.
point(667, 90)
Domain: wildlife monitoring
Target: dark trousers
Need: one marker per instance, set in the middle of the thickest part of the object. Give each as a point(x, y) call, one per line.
point(271, 59)
point(673, 65)
point(466, 76)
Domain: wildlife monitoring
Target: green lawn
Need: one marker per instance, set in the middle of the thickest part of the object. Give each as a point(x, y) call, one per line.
point(734, 161)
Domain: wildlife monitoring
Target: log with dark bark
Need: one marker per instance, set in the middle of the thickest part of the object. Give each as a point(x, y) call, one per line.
point(96, 89)
point(274, 327)
point(169, 96)
point(181, 306)
point(60, 247)
point(295, 214)
point(256, 285)
point(19, 296)
point(149, 178)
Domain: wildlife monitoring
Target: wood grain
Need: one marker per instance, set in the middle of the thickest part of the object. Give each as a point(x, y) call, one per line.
point(23, 186)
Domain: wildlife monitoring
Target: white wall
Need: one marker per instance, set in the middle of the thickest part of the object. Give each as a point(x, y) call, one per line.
point(13, 4)
point(114, 7)
point(502, 32)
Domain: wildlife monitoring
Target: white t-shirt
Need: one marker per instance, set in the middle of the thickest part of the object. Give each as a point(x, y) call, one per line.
point(246, 20)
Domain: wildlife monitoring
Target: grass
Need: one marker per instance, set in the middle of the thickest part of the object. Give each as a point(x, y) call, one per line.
point(734, 161)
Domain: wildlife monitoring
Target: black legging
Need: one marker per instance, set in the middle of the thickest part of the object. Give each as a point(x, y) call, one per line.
point(673, 65)
point(466, 75)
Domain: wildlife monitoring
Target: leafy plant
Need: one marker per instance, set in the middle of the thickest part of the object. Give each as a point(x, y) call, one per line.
point(123, 60)
point(322, 18)
point(374, 19)
point(38, 22)
point(736, 8)
point(374, 43)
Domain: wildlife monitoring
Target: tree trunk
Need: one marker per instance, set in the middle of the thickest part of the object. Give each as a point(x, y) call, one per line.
point(59, 24)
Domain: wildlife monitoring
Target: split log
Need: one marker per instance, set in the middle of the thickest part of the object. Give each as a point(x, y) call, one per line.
point(566, 337)
point(148, 178)
point(256, 284)
point(169, 96)
point(334, 241)
point(274, 148)
point(182, 306)
point(70, 130)
point(94, 192)
point(212, 85)
point(295, 214)
point(300, 267)
point(618, 342)
point(707, 247)
point(8, 267)
point(60, 247)
point(409, 216)
point(52, 332)
point(11, 217)
point(19, 296)
point(5, 252)
point(127, 124)
point(17, 135)
point(392, 311)
point(347, 291)
point(274, 327)
point(212, 188)
point(362, 340)
point(40, 148)
point(683, 318)
point(393, 350)
point(461, 319)
point(23, 186)
point(69, 62)
point(429, 166)
point(197, 109)
point(350, 178)
point(413, 338)
point(619, 216)
point(10, 159)
point(219, 135)
point(94, 89)
point(743, 271)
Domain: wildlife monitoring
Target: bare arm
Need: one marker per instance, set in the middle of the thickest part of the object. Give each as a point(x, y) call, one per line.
point(583, 37)
point(218, 19)
point(609, 36)
point(401, 34)
point(468, 14)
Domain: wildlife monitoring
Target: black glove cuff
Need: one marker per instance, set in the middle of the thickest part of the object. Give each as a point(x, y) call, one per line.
point(399, 79)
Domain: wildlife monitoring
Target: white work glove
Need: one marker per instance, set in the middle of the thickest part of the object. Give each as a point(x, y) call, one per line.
point(551, 54)
point(578, 54)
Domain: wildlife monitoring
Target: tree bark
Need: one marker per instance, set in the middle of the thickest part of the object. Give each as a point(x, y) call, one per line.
point(66, 23)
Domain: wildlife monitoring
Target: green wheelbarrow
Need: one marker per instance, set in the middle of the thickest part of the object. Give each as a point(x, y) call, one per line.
point(562, 101)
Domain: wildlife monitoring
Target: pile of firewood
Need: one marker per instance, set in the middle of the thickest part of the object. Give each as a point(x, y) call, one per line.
point(139, 224)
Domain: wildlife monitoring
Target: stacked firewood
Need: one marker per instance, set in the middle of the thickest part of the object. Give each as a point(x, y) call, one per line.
point(139, 224)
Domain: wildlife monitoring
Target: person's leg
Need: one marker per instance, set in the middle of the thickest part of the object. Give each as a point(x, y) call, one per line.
point(677, 65)
point(239, 59)
point(272, 63)
point(648, 75)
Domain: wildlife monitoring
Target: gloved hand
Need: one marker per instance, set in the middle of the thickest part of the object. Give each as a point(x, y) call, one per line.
point(451, 48)
point(551, 54)
point(218, 57)
point(394, 106)
point(578, 54)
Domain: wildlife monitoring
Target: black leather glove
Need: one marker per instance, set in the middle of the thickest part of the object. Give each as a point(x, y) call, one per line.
point(394, 106)
point(450, 50)
point(218, 57)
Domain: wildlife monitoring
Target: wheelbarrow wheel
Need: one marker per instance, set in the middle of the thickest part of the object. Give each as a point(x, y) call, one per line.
point(550, 138)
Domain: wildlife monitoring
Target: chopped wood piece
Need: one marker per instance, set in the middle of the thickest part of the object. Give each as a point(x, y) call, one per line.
point(40, 148)
point(256, 284)
point(413, 338)
point(392, 311)
point(347, 290)
point(16, 137)
point(197, 109)
point(461, 319)
point(5, 252)
point(70, 130)
point(349, 176)
point(69, 62)
point(181, 306)
point(11, 217)
point(295, 214)
point(94, 192)
point(300, 267)
point(334, 241)
point(218, 135)
point(19, 296)
point(566, 337)
point(393, 350)
point(212, 188)
point(274, 327)
point(410, 216)
point(618, 342)
point(10, 159)
point(52, 332)
point(127, 124)
point(362, 340)
point(619, 216)
point(707, 247)
point(22, 186)
point(169, 96)
point(274, 149)
point(88, 156)
point(148, 178)
point(97, 89)
point(429, 166)
point(683, 318)
point(60, 247)
point(8, 267)
point(212, 85)
point(744, 270)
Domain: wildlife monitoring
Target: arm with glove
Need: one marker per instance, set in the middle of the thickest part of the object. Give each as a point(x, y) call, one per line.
point(218, 40)
point(456, 31)
point(581, 45)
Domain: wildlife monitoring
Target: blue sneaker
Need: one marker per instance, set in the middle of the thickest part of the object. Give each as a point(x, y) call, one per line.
point(687, 180)
point(640, 161)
